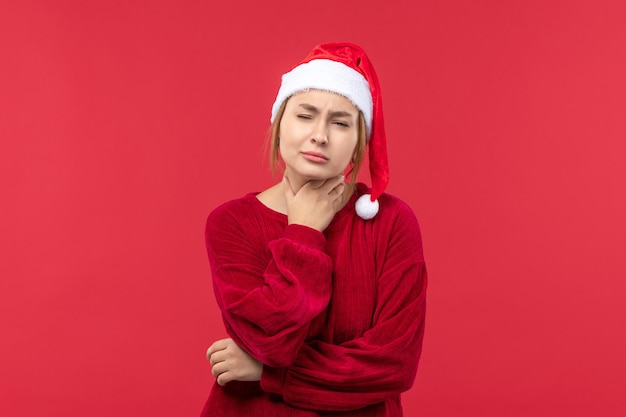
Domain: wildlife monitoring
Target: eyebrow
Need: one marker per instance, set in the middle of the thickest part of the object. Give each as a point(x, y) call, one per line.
point(312, 108)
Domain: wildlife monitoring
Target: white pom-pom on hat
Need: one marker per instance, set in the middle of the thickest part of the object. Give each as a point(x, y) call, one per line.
point(365, 207)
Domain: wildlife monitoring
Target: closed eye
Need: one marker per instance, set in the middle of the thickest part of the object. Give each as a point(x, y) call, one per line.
point(304, 116)
point(341, 123)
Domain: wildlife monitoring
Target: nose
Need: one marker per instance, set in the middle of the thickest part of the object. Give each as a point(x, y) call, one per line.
point(320, 136)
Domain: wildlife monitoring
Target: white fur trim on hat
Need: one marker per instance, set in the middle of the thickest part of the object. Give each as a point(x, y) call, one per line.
point(327, 75)
point(365, 207)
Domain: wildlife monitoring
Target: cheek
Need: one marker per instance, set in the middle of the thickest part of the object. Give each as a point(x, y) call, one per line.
point(282, 138)
point(281, 149)
point(347, 152)
point(352, 147)
point(285, 146)
point(290, 137)
point(285, 133)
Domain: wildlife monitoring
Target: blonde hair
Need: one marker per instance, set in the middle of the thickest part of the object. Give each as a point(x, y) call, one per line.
point(276, 163)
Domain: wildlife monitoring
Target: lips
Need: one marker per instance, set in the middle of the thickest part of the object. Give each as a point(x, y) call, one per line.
point(315, 156)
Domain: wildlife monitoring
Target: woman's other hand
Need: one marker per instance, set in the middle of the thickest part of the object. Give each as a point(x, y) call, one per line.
point(231, 363)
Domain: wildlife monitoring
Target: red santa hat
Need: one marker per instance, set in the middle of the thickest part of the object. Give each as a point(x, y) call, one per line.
point(345, 69)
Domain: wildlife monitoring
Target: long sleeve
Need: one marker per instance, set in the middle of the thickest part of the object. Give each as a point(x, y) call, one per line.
point(381, 363)
point(268, 293)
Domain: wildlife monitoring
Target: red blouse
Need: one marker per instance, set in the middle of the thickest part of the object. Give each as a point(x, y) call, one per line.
point(337, 318)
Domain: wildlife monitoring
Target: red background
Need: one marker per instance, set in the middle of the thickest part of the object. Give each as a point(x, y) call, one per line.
point(123, 123)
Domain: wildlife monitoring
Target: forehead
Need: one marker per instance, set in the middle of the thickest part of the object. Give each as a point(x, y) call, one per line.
point(324, 100)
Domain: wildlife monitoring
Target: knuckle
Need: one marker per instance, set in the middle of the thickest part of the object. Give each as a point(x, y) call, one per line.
point(222, 379)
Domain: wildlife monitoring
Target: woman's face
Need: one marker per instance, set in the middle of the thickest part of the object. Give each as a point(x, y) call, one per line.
point(318, 134)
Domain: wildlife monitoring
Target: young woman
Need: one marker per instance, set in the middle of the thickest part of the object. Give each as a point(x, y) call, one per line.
point(320, 280)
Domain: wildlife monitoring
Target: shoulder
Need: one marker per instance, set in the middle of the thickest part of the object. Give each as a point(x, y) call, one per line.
point(395, 228)
point(395, 220)
point(392, 208)
point(230, 224)
point(231, 212)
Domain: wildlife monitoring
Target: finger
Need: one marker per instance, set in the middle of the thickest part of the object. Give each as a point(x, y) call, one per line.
point(217, 357)
point(216, 346)
point(219, 369)
point(224, 378)
point(338, 190)
point(324, 185)
point(314, 184)
point(332, 183)
point(211, 350)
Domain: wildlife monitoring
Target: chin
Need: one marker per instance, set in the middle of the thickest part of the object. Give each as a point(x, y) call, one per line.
point(318, 176)
point(314, 177)
point(311, 174)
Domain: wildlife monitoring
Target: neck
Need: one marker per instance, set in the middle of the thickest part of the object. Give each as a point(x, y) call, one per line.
point(295, 181)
